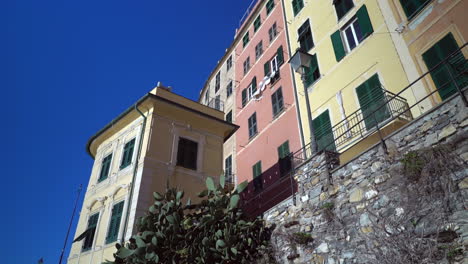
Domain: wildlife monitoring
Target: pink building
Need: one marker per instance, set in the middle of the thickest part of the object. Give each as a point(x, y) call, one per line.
point(265, 97)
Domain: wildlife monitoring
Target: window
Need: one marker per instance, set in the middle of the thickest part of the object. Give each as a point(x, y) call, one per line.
point(187, 154)
point(217, 102)
point(283, 150)
point(229, 117)
point(272, 67)
point(272, 32)
point(105, 167)
point(297, 6)
point(305, 37)
point(252, 122)
point(217, 81)
point(207, 95)
point(245, 39)
point(342, 7)
point(88, 235)
point(323, 132)
point(229, 89)
point(114, 225)
point(248, 92)
point(127, 154)
point(258, 50)
point(228, 166)
point(246, 65)
point(269, 6)
point(277, 102)
point(412, 7)
point(347, 38)
point(441, 75)
point(371, 99)
point(229, 63)
point(257, 173)
point(257, 23)
point(312, 73)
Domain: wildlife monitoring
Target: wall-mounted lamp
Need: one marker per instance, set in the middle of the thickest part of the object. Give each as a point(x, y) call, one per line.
point(300, 61)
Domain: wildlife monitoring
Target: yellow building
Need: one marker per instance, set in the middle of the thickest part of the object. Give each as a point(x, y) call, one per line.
point(428, 32)
point(162, 140)
point(354, 68)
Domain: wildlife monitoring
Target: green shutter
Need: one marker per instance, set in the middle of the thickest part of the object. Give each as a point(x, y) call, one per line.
point(114, 225)
point(257, 169)
point(244, 97)
point(280, 56)
point(323, 132)
point(266, 67)
point(283, 150)
point(338, 45)
point(372, 101)
point(364, 21)
point(309, 74)
point(441, 75)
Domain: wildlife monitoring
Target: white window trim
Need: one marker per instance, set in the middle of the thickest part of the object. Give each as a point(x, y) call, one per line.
point(353, 31)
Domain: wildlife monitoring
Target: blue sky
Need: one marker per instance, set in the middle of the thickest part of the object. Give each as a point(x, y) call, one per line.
point(68, 68)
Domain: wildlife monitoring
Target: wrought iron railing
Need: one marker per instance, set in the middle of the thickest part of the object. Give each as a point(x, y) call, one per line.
point(215, 103)
point(354, 128)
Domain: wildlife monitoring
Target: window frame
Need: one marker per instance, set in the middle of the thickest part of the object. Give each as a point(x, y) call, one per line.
point(228, 169)
point(277, 103)
point(245, 39)
point(257, 23)
point(345, 13)
point(182, 159)
point(352, 24)
point(252, 125)
point(297, 4)
point(228, 117)
point(127, 157)
point(303, 32)
point(217, 81)
point(102, 178)
point(246, 65)
point(229, 63)
point(270, 5)
point(113, 239)
point(258, 50)
point(229, 89)
point(93, 236)
point(273, 32)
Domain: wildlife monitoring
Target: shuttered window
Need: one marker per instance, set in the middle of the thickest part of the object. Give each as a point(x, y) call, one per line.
point(441, 75)
point(342, 7)
point(246, 65)
point(353, 33)
point(229, 117)
point(229, 63)
point(252, 124)
point(412, 7)
point(228, 166)
point(297, 6)
point(257, 23)
point(127, 154)
point(277, 102)
point(305, 37)
point(283, 150)
point(272, 32)
point(105, 168)
point(229, 89)
point(187, 154)
point(114, 224)
point(91, 230)
point(269, 6)
point(323, 132)
point(312, 74)
point(217, 81)
point(372, 101)
point(258, 50)
point(257, 173)
point(245, 39)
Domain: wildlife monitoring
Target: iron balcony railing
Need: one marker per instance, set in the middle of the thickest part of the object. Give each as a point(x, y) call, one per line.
point(271, 189)
point(215, 103)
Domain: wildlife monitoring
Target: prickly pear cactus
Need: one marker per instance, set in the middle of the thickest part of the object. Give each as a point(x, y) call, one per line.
point(212, 231)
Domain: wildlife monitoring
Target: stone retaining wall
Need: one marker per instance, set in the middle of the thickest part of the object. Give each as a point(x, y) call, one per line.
point(380, 204)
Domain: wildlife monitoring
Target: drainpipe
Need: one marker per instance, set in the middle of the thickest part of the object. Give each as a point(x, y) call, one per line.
point(313, 144)
point(132, 185)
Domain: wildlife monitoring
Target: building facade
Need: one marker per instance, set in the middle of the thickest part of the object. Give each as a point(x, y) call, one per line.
point(265, 98)
point(428, 32)
point(162, 140)
point(354, 68)
point(218, 93)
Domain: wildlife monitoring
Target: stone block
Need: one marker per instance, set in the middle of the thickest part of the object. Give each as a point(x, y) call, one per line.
point(430, 140)
point(356, 195)
point(381, 178)
point(322, 248)
point(463, 184)
point(426, 126)
point(376, 166)
point(447, 131)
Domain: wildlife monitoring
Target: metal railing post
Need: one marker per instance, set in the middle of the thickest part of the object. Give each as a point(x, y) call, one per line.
point(384, 145)
point(460, 92)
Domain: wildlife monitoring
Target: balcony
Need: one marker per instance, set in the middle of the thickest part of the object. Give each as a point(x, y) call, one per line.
point(214, 103)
